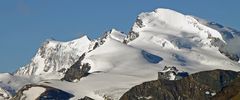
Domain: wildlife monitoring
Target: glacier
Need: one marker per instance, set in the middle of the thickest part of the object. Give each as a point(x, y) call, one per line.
point(118, 61)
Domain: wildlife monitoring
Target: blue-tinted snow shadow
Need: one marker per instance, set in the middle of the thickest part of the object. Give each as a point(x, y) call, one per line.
point(151, 57)
point(182, 60)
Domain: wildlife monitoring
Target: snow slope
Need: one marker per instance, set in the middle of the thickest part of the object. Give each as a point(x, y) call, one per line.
point(55, 57)
point(33, 93)
point(115, 67)
point(180, 40)
point(115, 34)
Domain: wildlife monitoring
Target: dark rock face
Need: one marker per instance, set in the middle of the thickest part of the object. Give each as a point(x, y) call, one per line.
point(86, 98)
point(95, 45)
point(139, 23)
point(50, 93)
point(199, 86)
point(230, 92)
point(130, 37)
point(217, 42)
point(77, 70)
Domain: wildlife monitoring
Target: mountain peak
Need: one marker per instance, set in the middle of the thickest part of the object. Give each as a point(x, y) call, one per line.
point(55, 56)
point(169, 23)
point(117, 35)
point(113, 34)
point(80, 39)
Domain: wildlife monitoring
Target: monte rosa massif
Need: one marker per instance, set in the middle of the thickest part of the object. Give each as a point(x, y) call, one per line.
point(165, 56)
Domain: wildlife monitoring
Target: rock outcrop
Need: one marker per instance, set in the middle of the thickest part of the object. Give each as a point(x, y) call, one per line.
point(86, 98)
point(199, 86)
point(77, 70)
point(230, 92)
point(171, 73)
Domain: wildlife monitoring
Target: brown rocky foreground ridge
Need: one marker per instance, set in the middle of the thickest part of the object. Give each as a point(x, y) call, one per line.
point(207, 85)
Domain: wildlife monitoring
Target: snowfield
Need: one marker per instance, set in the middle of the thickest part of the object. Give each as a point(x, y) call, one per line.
point(160, 38)
point(32, 93)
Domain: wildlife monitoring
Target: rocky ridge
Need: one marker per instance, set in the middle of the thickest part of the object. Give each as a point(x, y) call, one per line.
point(198, 86)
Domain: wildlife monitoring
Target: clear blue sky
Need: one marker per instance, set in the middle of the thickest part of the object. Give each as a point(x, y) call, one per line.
point(25, 24)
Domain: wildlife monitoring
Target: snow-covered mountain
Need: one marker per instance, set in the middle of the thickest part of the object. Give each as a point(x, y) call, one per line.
point(181, 40)
point(109, 66)
point(159, 38)
point(55, 57)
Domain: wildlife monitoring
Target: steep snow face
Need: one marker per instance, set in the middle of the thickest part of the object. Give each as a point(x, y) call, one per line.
point(180, 40)
point(230, 35)
point(167, 24)
point(226, 32)
point(116, 35)
point(113, 34)
point(55, 57)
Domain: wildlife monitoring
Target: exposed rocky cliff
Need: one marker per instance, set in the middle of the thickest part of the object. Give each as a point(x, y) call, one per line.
point(199, 86)
point(231, 91)
point(77, 70)
point(55, 57)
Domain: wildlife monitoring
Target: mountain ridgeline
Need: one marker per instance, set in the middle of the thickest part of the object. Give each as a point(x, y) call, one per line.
point(188, 57)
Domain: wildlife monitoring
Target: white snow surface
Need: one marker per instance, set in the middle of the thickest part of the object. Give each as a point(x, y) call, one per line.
point(115, 68)
point(182, 37)
point(33, 93)
point(179, 39)
point(170, 22)
point(13, 81)
point(117, 35)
